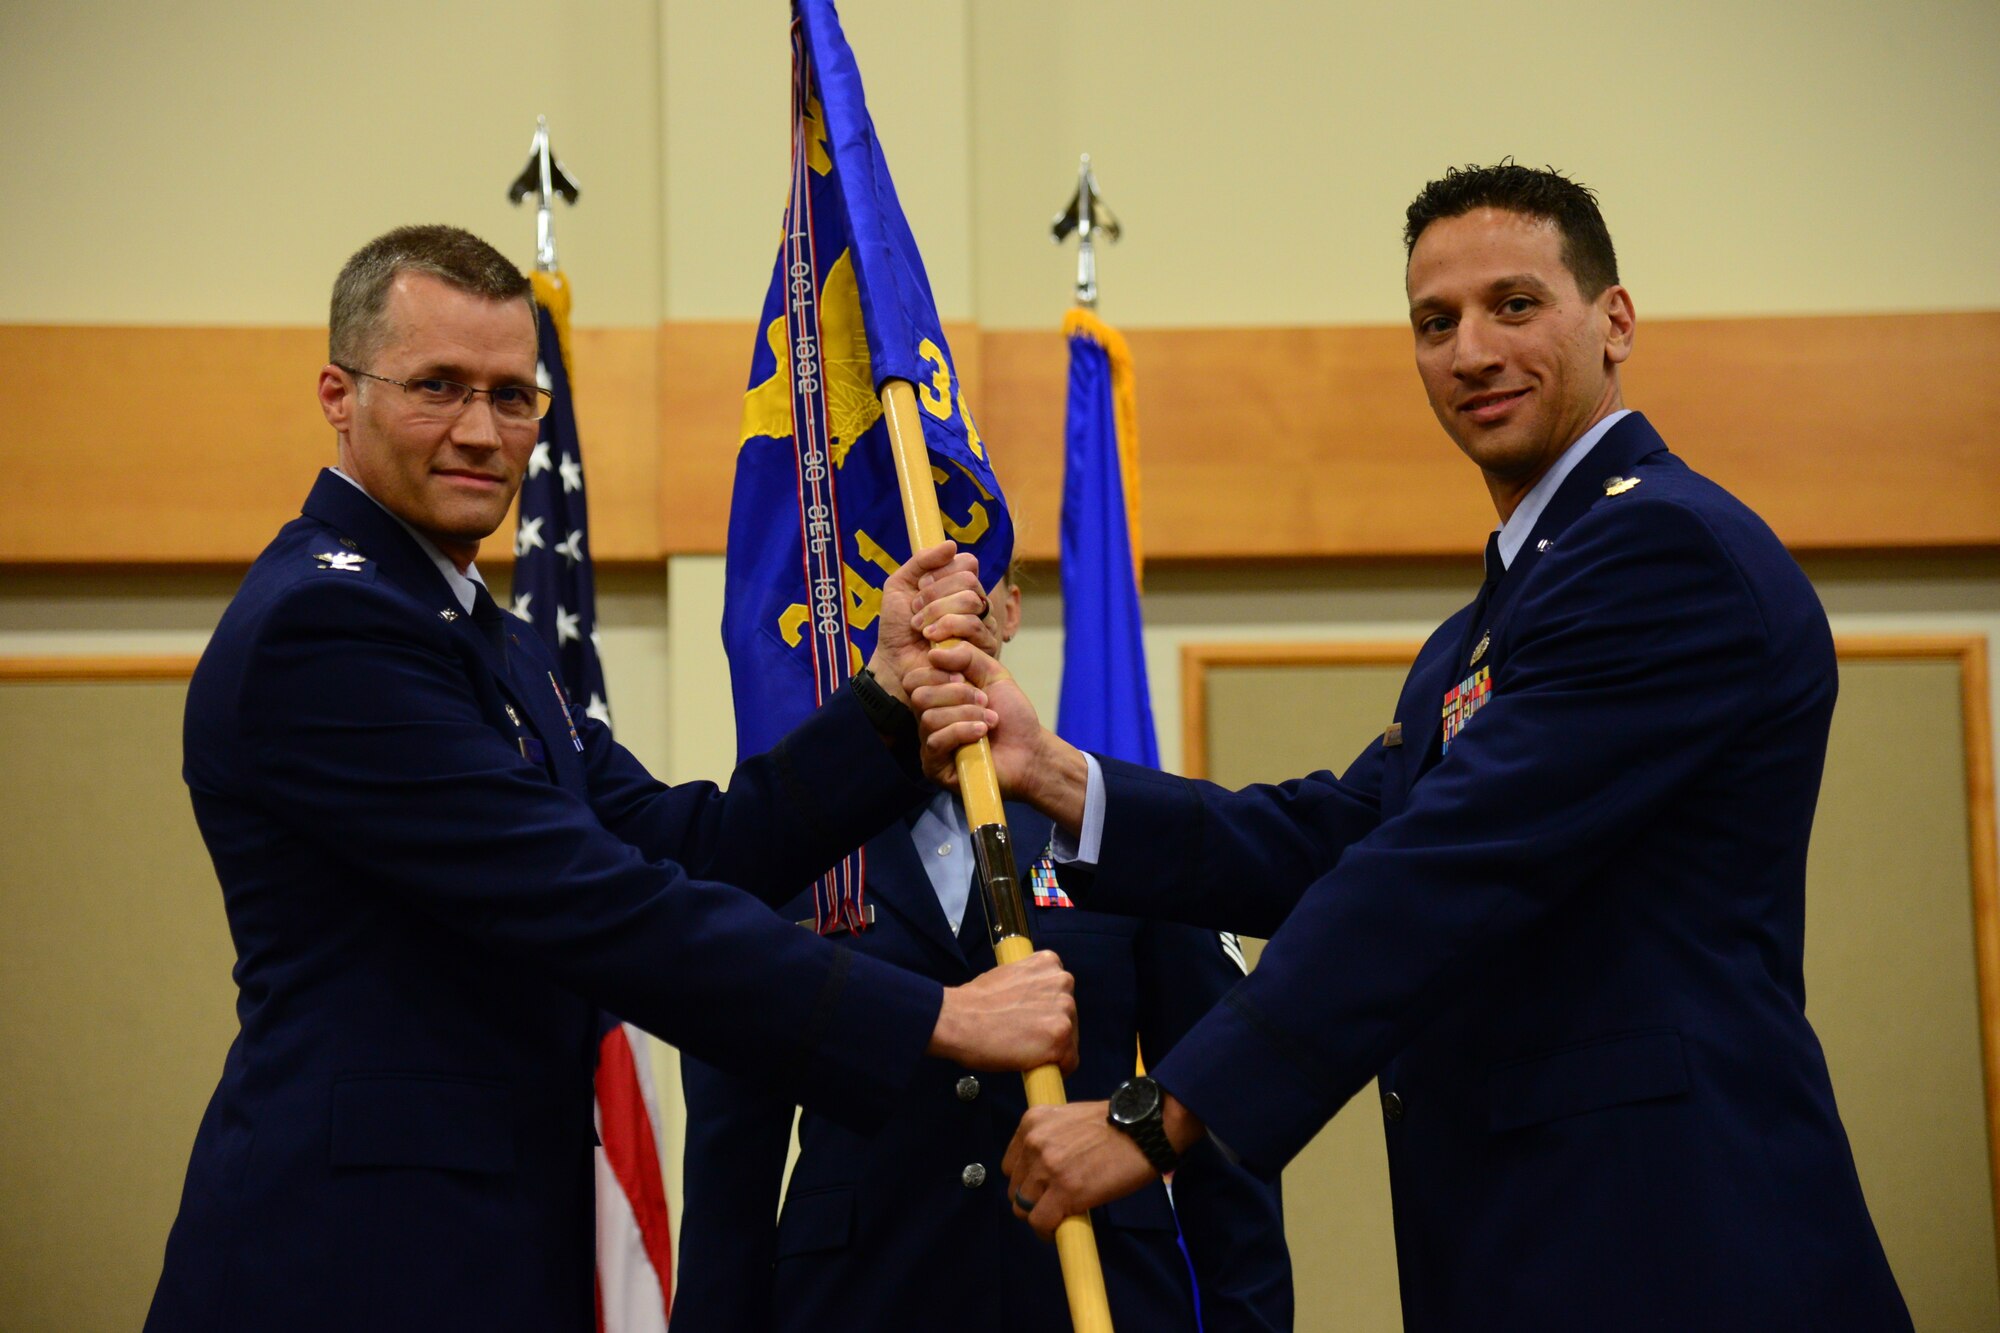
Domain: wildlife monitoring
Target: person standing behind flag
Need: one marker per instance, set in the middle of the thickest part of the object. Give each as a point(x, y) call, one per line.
point(899, 1230)
point(908, 1227)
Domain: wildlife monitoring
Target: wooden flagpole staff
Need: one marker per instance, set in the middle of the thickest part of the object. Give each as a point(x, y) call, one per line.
point(979, 789)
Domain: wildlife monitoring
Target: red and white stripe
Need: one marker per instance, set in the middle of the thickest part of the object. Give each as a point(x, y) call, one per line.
point(634, 1245)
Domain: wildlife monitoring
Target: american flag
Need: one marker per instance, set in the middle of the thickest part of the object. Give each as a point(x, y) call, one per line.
point(553, 590)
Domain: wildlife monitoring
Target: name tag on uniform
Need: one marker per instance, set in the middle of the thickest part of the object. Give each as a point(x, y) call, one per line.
point(1393, 736)
point(531, 749)
point(1462, 700)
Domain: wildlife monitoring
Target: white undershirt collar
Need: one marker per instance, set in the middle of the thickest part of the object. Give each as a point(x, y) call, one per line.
point(462, 585)
point(1514, 532)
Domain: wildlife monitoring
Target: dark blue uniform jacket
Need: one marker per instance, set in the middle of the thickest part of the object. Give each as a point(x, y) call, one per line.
point(1570, 944)
point(431, 889)
point(910, 1228)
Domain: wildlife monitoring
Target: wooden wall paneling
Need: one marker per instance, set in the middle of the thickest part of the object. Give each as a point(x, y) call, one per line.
point(86, 669)
point(617, 391)
point(193, 445)
point(1850, 432)
point(704, 369)
point(1875, 433)
point(134, 445)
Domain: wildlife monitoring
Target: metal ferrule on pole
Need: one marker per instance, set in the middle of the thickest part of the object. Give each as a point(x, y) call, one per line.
point(1006, 909)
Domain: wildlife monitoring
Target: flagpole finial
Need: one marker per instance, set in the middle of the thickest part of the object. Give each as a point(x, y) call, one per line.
point(544, 178)
point(1087, 215)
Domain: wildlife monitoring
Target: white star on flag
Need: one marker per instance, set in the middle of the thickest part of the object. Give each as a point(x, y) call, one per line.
point(572, 473)
point(542, 376)
point(566, 627)
point(520, 607)
point(599, 709)
point(538, 461)
point(596, 644)
point(528, 537)
point(572, 546)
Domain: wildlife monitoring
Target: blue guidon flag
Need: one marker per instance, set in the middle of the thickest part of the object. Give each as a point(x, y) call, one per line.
point(816, 522)
point(1106, 706)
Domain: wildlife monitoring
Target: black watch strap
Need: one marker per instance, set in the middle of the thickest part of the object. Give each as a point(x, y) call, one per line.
point(1147, 1129)
point(892, 719)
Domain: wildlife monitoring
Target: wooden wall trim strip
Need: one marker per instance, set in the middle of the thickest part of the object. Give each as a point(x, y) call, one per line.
point(1975, 713)
point(20, 670)
point(1866, 432)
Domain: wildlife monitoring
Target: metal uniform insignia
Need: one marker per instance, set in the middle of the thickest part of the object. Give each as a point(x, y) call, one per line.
point(1233, 946)
point(1619, 485)
point(1479, 650)
point(345, 561)
point(1543, 545)
point(512, 716)
point(447, 615)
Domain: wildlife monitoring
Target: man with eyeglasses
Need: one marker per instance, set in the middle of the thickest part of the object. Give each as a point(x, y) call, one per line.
point(437, 869)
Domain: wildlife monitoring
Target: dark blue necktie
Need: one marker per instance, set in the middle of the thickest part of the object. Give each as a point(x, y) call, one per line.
point(486, 615)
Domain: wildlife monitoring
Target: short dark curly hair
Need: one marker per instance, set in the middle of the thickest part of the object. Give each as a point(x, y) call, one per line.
point(1540, 193)
point(355, 323)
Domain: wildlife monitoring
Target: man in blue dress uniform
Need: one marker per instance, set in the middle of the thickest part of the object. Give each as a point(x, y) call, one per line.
point(437, 868)
point(1558, 907)
point(910, 1228)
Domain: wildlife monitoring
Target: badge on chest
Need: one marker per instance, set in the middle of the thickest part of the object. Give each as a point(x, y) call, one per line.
point(1042, 885)
point(1461, 701)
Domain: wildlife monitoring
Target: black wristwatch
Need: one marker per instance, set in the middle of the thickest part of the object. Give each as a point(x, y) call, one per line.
point(892, 719)
point(1138, 1108)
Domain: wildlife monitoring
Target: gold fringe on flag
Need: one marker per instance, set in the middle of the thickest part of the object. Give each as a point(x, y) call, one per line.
point(1125, 408)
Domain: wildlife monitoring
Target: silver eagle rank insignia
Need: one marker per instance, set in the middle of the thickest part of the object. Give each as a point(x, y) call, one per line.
point(345, 561)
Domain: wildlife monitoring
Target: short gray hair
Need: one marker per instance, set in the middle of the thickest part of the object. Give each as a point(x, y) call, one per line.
point(454, 256)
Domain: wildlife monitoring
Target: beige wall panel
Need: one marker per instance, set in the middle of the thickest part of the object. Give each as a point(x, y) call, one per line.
point(215, 162)
point(1337, 1214)
point(115, 998)
point(1753, 159)
point(727, 102)
point(1892, 986)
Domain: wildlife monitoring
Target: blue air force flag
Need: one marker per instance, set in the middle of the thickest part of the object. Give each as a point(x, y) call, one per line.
point(816, 521)
point(1105, 706)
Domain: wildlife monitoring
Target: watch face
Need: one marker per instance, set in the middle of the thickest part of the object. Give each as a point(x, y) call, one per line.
point(1135, 1100)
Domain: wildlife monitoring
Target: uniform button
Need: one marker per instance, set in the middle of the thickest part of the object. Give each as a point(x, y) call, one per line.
point(968, 1088)
point(973, 1176)
point(944, 849)
point(1392, 1107)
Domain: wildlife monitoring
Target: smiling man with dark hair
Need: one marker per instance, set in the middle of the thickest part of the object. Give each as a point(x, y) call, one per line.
point(1557, 908)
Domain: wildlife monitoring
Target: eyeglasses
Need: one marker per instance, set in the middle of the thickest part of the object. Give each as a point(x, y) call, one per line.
point(447, 398)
